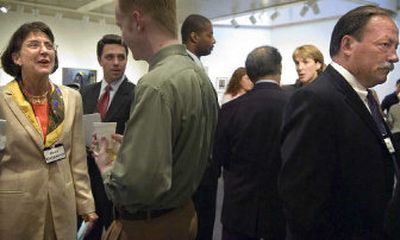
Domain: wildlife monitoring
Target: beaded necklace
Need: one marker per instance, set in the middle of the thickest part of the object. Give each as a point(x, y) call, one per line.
point(35, 99)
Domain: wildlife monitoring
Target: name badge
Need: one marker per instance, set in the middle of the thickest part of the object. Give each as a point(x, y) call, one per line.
point(54, 154)
point(389, 145)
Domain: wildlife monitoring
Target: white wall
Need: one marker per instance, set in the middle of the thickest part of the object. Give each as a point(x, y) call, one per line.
point(77, 46)
point(287, 38)
point(231, 49)
point(76, 42)
point(233, 45)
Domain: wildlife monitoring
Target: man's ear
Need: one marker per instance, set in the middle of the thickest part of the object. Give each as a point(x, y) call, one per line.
point(194, 37)
point(138, 20)
point(347, 44)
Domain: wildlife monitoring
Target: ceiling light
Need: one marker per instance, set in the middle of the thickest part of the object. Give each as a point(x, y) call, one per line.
point(58, 16)
point(304, 10)
point(274, 15)
point(253, 19)
point(315, 8)
point(234, 23)
point(20, 9)
point(4, 9)
point(86, 19)
point(35, 12)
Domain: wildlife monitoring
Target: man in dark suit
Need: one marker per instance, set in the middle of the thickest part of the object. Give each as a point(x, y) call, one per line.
point(247, 144)
point(391, 99)
point(112, 56)
point(197, 36)
point(338, 157)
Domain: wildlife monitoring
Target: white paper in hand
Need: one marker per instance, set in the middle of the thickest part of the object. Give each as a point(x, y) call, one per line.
point(88, 120)
point(82, 230)
point(2, 134)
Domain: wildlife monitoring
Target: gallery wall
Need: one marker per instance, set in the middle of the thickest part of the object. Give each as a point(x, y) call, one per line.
point(77, 40)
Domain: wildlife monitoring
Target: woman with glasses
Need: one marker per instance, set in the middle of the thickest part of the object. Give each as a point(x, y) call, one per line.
point(43, 175)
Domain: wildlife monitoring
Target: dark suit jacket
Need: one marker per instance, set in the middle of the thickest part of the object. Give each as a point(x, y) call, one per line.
point(117, 112)
point(120, 105)
point(337, 173)
point(389, 101)
point(247, 144)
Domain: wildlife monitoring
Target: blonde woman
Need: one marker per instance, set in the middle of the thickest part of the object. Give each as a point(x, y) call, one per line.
point(309, 63)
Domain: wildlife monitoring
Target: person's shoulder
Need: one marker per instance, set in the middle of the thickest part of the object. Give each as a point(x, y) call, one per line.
point(68, 93)
point(390, 96)
point(89, 88)
point(128, 84)
point(231, 104)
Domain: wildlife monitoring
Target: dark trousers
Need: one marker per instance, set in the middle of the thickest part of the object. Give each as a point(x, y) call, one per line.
point(232, 235)
point(205, 199)
point(104, 207)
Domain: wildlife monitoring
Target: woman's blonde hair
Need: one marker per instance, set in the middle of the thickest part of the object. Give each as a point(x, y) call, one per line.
point(310, 51)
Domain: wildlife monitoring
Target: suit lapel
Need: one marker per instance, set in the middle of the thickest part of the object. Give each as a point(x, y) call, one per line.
point(23, 120)
point(119, 98)
point(352, 98)
point(90, 100)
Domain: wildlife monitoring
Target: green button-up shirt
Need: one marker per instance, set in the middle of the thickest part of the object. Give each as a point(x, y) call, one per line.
point(168, 136)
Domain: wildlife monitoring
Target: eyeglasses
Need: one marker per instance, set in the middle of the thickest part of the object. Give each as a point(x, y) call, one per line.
point(34, 45)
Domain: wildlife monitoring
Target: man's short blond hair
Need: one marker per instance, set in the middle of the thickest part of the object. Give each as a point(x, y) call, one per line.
point(162, 11)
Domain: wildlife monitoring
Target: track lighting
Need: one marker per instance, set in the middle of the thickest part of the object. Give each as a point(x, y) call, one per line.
point(4, 8)
point(234, 23)
point(253, 19)
point(274, 15)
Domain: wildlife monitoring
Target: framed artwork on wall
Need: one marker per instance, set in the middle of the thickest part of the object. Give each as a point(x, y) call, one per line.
point(220, 83)
point(78, 76)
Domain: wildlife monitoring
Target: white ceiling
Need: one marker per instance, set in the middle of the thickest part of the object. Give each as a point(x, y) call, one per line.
point(225, 10)
point(104, 9)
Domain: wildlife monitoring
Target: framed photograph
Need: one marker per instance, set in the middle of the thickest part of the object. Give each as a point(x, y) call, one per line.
point(78, 76)
point(221, 82)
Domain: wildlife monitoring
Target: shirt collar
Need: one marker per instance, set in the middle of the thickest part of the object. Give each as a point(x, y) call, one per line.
point(115, 84)
point(195, 58)
point(354, 83)
point(267, 81)
point(165, 52)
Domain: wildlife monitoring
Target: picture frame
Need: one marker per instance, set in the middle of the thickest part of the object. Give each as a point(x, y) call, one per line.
point(78, 76)
point(221, 82)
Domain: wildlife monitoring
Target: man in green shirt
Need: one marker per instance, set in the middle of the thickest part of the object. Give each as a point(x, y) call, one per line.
point(168, 136)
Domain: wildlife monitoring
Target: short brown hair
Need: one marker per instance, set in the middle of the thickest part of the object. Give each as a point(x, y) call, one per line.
point(310, 51)
point(353, 24)
point(15, 45)
point(162, 11)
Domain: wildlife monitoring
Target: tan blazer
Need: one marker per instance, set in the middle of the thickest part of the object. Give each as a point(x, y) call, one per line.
point(28, 185)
